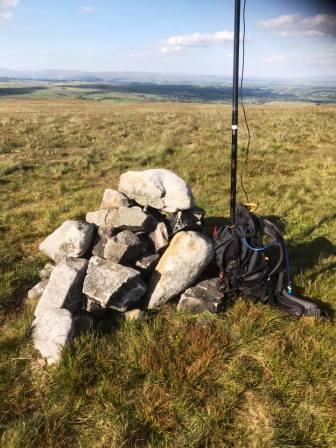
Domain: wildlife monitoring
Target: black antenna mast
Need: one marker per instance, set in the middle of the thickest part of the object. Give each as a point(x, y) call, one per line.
point(234, 143)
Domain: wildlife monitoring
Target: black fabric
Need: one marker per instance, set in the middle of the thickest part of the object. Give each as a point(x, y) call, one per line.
point(249, 273)
point(243, 270)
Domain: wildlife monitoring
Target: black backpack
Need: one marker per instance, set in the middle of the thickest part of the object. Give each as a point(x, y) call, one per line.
point(246, 271)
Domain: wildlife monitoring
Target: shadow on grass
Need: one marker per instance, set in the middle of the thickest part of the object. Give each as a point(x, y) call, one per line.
point(326, 220)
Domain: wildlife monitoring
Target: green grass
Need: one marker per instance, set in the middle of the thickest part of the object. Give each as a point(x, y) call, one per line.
point(250, 377)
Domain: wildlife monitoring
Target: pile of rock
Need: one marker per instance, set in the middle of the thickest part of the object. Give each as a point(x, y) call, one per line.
point(142, 249)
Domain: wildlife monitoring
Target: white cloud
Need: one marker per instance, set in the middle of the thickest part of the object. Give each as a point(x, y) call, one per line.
point(176, 44)
point(5, 7)
point(275, 58)
point(320, 25)
point(89, 9)
point(5, 16)
point(8, 3)
point(325, 58)
point(171, 49)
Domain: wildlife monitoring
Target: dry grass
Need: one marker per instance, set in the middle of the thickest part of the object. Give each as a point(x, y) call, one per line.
point(248, 378)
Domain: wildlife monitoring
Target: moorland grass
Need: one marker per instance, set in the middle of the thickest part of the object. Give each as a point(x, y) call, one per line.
point(250, 377)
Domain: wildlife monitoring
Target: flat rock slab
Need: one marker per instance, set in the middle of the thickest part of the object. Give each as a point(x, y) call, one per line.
point(187, 256)
point(157, 188)
point(51, 331)
point(124, 247)
point(71, 239)
point(112, 285)
point(124, 218)
point(64, 289)
point(98, 217)
point(114, 199)
point(205, 296)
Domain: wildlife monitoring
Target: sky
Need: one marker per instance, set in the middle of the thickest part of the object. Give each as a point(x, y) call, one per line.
point(284, 38)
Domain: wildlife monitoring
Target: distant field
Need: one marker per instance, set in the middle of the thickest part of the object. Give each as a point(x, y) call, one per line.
point(254, 92)
point(250, 377)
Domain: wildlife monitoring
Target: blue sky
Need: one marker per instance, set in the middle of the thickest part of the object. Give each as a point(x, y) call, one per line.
point(285, 38)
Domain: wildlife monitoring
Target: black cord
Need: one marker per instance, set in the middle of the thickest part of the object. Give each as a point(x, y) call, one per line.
point(247, 149)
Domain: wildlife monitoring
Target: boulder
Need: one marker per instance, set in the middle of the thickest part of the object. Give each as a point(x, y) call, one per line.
point(37, 290)
point(64, 289)
point(160, 237)
point(123, 247)
point(71, 239)
point(157, 188)
point(112, 285)
point(114, 199)
point(205, 296)
point(51, 331)
point(188, 254)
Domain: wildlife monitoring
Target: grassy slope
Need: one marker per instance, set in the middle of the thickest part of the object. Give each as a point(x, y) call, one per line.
point(248, 378)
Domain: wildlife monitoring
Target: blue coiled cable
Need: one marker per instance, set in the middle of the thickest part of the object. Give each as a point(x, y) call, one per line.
point(267, 246)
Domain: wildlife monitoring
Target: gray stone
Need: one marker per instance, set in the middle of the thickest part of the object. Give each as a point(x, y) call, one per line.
point(124, 218)
point(123, 247)
point(160, 237)
point(157, 188)
point(147, 264)
point(97, 218)
point(134, 315)
point(46, 271)
point(71, 239)
point(205, 296)
point(64, 289)
point(188, 254)
point(130, 218)
point(37, 290)
point(51, 331)
point(114, 199)
point(113, 285)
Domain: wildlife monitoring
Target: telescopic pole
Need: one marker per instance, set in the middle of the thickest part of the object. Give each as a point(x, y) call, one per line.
point(234, 141)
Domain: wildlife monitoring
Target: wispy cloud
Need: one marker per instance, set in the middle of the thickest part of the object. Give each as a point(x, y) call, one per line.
point(324, 58)
point(8, 3)
point(176, 44)
point(5, 10)
point(275, 58)
point(321, 25)
point(89, 9)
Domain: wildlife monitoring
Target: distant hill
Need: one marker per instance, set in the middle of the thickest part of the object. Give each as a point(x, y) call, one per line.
point(113, 77)
point(147, 77)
